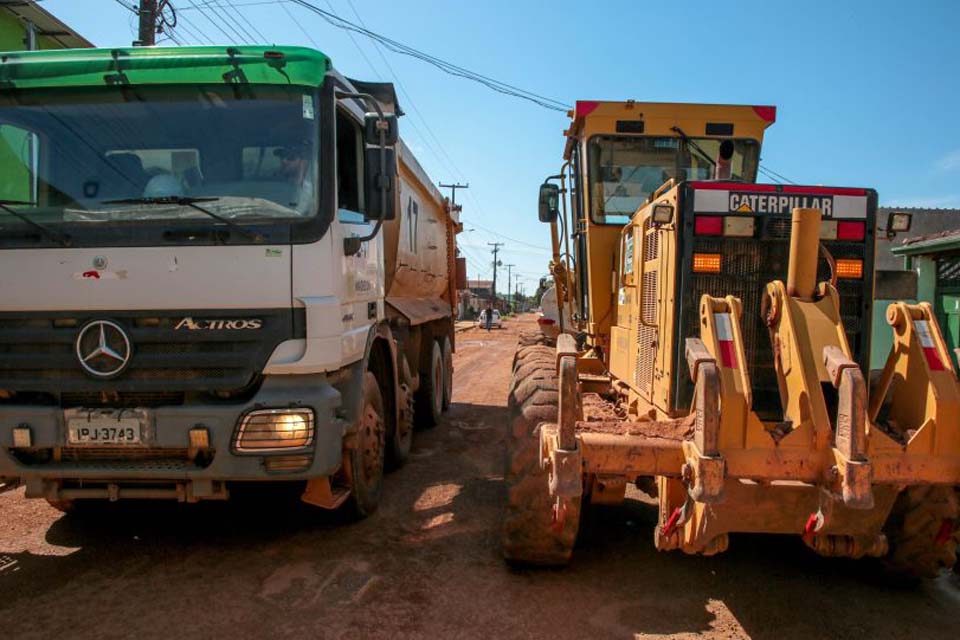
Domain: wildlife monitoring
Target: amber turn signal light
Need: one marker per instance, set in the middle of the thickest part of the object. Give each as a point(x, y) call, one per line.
point(850, 268)
point(706, 263)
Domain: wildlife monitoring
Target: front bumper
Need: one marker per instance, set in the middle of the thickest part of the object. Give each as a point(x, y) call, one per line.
point(164, 465)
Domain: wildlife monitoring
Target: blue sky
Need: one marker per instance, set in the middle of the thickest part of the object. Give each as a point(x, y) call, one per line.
point(868, 93)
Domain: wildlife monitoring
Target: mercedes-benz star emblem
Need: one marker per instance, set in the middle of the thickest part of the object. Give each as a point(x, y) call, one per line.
point(103, 349)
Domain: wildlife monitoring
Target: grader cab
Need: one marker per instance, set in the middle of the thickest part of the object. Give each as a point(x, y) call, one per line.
point(715, 355)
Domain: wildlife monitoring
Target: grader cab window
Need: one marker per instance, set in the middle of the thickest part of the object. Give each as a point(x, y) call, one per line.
point(623, 172)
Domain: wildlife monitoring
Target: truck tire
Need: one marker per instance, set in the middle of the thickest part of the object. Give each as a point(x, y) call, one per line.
point(365, 461)
point(447, 351)
point(919, 544)
point(529, 534)
point(429, 398)
point(400, 440)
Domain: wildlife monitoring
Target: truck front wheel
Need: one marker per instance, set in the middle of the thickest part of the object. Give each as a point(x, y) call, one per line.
point(365, 461)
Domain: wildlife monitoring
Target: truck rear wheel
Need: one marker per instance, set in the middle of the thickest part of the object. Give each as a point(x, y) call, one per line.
point(530, 535)
point(922, 532)
point(63, 506)
point(447, 372)
point(429, 399)
point(365, 461)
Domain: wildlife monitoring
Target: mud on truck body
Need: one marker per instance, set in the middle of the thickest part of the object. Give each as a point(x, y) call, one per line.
point(717, 355)
point(220, 265)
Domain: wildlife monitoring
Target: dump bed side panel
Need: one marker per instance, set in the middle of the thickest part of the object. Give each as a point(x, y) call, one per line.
point(420, 244)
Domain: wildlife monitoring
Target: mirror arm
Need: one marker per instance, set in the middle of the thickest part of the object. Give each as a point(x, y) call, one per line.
point(352, 245)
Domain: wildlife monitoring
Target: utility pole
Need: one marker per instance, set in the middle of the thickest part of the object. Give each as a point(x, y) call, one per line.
point(509, 290)
point(496, 248)
point(148, 12)
point(453, 193)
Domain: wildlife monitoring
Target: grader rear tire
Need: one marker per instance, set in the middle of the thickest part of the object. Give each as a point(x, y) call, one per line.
point(915, 524)
point(529, 534)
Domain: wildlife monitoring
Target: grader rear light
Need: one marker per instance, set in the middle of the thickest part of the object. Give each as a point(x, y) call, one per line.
point(850, 268)
point(708, 226)
point(706, 263)
point(850, 230)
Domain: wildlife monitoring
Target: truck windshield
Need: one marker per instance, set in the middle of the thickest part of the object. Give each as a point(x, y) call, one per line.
point(623, 172)
point(105, 155)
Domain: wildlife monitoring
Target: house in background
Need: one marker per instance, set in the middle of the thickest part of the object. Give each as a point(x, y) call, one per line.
point(25, 25)
point(925, 222)
point(913, 266)
point(935, 258)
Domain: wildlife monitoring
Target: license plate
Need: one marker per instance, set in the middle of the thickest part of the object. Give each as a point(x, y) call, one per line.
point(104, 431)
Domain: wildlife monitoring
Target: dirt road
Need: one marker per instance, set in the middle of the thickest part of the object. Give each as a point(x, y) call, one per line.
point(427, 564)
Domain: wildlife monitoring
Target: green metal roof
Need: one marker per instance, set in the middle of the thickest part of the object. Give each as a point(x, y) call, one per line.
point(162, 65)
point(943, 242)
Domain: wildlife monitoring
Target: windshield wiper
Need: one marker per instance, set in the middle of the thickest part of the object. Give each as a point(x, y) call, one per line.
point(689, 141)
point(185, 201)
point(61, 238)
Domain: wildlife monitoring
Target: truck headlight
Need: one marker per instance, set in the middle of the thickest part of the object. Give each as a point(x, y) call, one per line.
point(266, 430)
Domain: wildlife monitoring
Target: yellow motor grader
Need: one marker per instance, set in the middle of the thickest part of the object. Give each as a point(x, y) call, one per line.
point(713, 350)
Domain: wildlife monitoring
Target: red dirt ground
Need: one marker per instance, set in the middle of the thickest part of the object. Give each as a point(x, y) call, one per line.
point(427, 565)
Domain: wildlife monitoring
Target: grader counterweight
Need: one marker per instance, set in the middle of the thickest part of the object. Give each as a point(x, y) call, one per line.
point(715, 356)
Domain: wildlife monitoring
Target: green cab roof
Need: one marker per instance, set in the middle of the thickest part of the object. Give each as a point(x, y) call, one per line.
point(162, 65)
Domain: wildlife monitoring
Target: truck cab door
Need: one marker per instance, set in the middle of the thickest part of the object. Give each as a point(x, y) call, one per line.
point(362, 272)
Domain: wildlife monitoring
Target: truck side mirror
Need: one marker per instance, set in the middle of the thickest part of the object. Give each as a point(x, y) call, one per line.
point(549, 206)
point(372, 124)
point(376, 176)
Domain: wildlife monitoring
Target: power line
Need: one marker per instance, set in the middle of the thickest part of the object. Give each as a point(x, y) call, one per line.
point(299, 26)
point(183, 22)
point(413, 105)
point(215, 23)
point(445, 66)
point(128, 7)
point(505, 237)
point(247, 21)
point(231, 21)
point(251, 4)
point(426, 125)
point(771, 173)
point(363, 54)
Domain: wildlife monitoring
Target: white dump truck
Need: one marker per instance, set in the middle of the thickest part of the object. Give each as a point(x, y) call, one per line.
point(217, 265)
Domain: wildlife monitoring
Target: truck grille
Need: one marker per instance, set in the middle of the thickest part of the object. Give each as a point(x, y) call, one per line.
point(38, 354)
point(748, 265)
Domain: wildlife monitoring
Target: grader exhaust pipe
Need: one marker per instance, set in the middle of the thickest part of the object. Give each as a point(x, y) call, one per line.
point(804, 243)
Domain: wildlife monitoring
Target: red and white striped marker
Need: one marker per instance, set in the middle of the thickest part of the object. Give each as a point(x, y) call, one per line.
point(926, 343)
point(728, 356)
